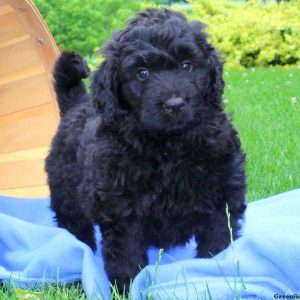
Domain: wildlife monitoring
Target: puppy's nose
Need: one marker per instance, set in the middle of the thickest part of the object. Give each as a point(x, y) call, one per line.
point(174, 104)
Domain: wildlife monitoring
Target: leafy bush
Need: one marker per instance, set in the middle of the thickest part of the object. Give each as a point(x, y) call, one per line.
point(84, 25)
point(248, 34)
point(251, 34)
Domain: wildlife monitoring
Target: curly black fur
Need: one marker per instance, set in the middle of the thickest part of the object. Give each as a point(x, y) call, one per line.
point(150, 157)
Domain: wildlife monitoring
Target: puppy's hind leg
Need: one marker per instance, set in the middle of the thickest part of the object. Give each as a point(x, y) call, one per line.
point(215, 236)
point(70, 217)
point(75, 222)
point(68, 73)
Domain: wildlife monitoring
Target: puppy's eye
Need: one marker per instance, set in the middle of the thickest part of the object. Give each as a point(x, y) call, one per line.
point(187, 66)
point(142, 74)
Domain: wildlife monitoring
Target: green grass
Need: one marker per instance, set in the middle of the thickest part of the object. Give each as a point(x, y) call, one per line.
point(266, 111)
point(47, 292)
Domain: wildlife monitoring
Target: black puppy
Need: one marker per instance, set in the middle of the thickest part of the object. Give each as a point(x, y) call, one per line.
point(150, 156)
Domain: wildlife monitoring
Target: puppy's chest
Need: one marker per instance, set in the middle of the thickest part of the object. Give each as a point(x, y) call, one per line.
point(162, 185)
point(179, 186)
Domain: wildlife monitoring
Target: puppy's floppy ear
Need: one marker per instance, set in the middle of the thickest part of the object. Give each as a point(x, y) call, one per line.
point(216, 85)
point(105, 90)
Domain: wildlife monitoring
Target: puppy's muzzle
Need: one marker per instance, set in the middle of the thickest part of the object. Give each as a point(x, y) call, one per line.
point(174, 104)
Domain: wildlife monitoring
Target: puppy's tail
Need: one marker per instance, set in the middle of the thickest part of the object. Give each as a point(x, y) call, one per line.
point(69, 70)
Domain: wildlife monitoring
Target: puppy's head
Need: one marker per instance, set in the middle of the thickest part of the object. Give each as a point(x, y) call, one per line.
point(162, 71)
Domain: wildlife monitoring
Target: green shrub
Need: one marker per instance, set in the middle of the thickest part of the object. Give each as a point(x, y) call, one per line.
point(251, 34)
point(248, 34)
point(84, 25)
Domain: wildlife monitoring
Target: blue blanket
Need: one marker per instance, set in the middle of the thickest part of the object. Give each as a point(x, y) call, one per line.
point(259, 265)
